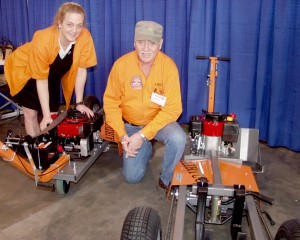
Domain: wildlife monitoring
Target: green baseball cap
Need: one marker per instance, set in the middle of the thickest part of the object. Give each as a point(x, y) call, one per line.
point(148, 30)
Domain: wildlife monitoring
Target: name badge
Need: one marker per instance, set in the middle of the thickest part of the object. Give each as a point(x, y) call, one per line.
point(158, 99)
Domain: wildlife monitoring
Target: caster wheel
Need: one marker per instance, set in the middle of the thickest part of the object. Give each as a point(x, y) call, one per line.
point(62, 186)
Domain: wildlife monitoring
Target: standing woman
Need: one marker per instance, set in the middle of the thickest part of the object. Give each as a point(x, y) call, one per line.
point(60, 53)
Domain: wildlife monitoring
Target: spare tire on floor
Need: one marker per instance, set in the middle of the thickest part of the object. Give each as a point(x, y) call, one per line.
point(142, 223)
point(289, 230)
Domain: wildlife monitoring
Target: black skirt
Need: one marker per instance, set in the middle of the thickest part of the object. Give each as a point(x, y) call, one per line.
point(28, 96)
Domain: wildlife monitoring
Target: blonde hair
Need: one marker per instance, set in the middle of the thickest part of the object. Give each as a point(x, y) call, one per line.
point(67, 8)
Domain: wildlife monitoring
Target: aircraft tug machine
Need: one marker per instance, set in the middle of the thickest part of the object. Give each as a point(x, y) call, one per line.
point(215, 179)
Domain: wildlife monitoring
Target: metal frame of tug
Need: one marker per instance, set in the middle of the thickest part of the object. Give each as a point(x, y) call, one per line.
point(212, 186)
point(217, 185)
point(211, 183)
point(66, 168)
point(63, 171)
point(214, 179)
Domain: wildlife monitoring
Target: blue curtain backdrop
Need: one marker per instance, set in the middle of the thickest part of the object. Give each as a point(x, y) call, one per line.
point(260, 83)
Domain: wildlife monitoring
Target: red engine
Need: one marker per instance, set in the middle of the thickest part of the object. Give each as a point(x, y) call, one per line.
point(77, 133)
point(71, 126)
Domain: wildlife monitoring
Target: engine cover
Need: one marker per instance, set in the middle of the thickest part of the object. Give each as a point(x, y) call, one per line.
point(67, 129)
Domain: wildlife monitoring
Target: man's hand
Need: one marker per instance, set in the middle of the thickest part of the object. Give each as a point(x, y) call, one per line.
point(131, 144)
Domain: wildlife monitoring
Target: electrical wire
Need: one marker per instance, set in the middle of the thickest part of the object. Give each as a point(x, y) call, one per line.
point(39, 175)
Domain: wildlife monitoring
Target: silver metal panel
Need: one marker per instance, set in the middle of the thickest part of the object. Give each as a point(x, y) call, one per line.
point(76, 169)
point(216, 169)
point(248, 144)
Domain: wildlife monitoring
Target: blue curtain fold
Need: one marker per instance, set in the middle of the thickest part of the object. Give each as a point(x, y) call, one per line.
point(14, 21)
point(260, 83)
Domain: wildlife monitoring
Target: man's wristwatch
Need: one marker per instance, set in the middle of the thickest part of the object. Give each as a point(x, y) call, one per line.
point(142, 136)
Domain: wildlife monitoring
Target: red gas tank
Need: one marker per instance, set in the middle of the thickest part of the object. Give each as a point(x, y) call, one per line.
point(213, 124)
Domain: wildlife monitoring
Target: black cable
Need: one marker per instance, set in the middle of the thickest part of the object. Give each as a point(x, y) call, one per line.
point(40, 175)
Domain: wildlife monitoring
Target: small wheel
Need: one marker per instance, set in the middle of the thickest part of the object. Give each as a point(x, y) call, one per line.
point(92, 102)
point(289, 230)
point(62, 186)
point(142, 223)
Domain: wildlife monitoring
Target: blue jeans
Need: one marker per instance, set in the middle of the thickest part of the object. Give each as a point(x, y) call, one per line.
point(174, 139)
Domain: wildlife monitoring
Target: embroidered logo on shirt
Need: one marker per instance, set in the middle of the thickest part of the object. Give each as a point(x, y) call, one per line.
point(136, 82)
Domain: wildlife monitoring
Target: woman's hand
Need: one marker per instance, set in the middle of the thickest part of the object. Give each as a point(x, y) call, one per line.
point(45, 122)
point(84, 109)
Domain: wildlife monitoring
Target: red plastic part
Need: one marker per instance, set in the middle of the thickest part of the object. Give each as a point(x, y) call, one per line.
point(65, 129)
point(213, 128)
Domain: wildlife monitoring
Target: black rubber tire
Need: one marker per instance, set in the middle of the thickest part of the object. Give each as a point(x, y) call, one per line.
point(92, 102)
point(142, 223)
point(289, 230)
